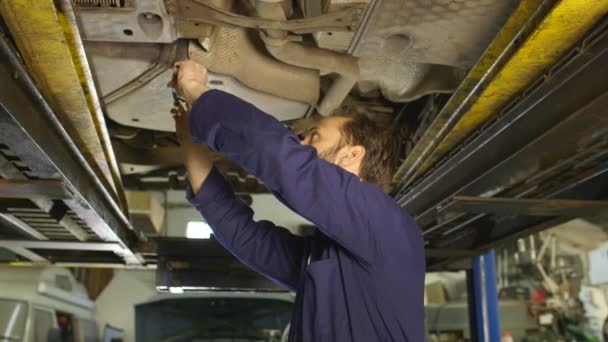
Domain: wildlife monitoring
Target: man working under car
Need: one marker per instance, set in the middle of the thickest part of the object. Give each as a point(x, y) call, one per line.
point(361, 276)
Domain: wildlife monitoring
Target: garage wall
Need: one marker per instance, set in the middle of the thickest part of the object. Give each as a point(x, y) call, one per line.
point(116, 304)
point(177, 219)
point(265, 207)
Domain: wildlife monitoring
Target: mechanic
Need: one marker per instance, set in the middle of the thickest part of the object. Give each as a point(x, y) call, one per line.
point(361, 276)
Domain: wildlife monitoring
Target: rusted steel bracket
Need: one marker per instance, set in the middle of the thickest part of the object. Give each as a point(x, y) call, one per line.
point(202, 11)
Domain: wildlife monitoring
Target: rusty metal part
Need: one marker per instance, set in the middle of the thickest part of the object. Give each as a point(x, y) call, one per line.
point(18, 188)
point(335, 95)
point(517, 27)
point(233, 52)
point(527, 206)
point(278, 44)
point(309, 57)
point(204, 12)
point(49, 43)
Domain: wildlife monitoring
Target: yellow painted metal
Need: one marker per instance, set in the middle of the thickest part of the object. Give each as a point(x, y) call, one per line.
point(45, 38)
point(565, 24)
point(515, 23)
point(69, 25)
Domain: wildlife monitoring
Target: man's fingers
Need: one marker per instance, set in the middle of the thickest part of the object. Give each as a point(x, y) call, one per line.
point(178, 110)
point(176, 66)
point(173, 82)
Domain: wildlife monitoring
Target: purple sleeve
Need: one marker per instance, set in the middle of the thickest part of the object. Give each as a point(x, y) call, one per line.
point(335, 200)
point(266, 248)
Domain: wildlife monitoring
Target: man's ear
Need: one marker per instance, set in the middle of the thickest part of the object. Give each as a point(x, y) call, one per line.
point(351, 156)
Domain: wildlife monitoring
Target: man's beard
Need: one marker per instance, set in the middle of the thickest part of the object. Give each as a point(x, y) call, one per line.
point(331, 154)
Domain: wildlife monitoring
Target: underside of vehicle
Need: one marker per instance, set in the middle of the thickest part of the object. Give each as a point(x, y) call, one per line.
point(394, 62)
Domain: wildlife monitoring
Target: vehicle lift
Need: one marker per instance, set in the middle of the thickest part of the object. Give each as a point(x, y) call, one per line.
point(521, 146)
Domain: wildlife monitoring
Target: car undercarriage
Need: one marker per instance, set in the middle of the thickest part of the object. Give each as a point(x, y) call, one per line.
point(335, 56)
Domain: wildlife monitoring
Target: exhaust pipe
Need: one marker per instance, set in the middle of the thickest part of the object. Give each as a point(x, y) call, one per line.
point(279, 46)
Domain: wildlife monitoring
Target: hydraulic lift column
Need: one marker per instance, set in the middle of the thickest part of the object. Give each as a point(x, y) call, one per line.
point(484, 316)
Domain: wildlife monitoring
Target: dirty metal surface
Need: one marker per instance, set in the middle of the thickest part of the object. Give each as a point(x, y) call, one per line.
point(69, 23)
point(526, 206)
point(485, 157)
point(589, 165)
point(447, 32)
point(191, 12)
point(490, 233)
point(547, 145)
point(559, 31)
point(39, 147)
point(523, 20)
point(137, 21)
point(51, 188)
point(39, 216)
point(38, 29)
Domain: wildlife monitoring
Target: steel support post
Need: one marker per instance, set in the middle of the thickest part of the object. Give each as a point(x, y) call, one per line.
point(471, 301)
point(485, 298)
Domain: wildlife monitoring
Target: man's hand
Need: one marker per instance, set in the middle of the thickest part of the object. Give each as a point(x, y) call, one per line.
point(182, 126)
point(190, 80)
point(197, 158)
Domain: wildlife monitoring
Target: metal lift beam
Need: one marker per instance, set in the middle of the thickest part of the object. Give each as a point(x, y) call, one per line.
point(547, 125)
point(48, 40)
point(31, 131)
point(563, 26)
point(551, 143)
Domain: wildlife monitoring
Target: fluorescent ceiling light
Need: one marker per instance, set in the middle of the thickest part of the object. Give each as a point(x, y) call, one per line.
point(176, 290)
point(198, 230)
